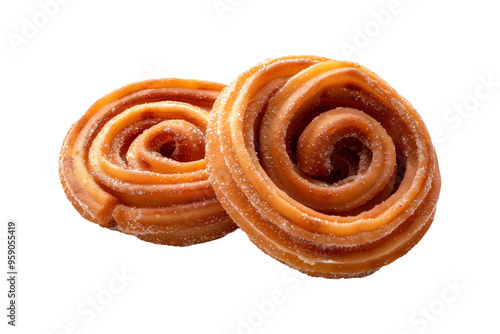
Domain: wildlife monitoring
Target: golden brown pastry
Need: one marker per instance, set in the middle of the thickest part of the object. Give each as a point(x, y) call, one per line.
point(324, 165)
point(135, 163)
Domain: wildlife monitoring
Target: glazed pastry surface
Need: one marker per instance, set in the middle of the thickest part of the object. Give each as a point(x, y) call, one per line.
point(135, 163)
point(324, 165)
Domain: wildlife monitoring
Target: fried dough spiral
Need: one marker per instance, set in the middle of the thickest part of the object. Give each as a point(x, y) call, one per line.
point(135, 163)
point(324, 165)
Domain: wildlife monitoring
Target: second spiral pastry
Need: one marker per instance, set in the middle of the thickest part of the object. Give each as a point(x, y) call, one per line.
point(324, 166)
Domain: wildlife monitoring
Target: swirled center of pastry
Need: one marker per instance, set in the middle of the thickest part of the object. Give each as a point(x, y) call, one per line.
point(169, 142)
point(345, 145)
point(343, 159)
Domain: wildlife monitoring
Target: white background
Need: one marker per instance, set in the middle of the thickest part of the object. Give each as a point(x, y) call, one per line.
point(437, 54)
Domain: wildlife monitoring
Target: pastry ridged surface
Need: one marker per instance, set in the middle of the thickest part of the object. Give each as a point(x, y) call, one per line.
point(135, 163)
point(324, 165)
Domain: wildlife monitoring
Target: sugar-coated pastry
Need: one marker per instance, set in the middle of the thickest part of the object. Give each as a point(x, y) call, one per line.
point(135, 163)
point(324, 166)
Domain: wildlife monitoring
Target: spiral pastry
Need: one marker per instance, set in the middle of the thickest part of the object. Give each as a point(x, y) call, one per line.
point(135, 163)
point(324, 165)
